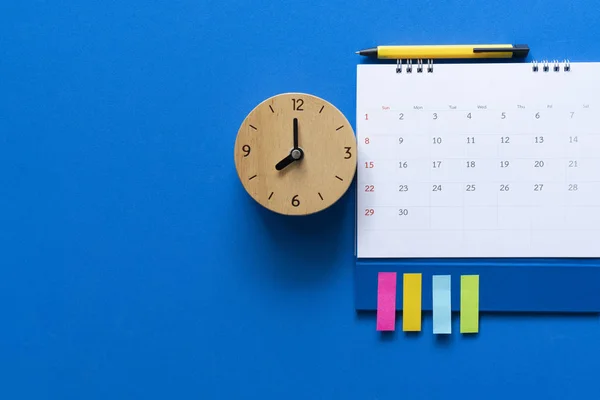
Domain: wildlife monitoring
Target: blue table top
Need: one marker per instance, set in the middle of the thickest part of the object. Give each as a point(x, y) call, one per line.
point(134, 265)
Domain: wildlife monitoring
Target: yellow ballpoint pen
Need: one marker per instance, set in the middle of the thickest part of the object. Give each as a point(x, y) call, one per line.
point(447, 51)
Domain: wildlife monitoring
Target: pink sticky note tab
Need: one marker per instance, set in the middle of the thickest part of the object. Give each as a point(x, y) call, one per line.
point(386, 301)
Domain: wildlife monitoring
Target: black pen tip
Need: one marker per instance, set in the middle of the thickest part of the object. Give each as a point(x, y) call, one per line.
point(368, 52)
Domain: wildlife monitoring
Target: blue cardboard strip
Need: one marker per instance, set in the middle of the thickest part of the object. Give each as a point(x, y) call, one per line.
point(571, 285)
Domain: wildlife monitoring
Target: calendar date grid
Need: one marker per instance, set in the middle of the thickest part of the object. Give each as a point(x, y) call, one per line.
point(444, 158)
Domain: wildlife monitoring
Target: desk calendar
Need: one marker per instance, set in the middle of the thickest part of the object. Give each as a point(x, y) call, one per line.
point(486, 169)
point(478, 160)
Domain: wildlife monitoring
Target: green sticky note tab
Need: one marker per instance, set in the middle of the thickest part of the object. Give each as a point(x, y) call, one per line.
point(469, 303)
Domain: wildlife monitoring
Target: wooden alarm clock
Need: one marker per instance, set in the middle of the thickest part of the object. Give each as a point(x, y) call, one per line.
point(295, 154)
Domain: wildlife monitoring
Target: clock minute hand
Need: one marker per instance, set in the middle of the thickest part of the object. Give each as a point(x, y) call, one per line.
point(295, 133)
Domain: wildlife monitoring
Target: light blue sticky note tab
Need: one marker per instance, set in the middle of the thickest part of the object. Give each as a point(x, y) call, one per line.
point(442, 310)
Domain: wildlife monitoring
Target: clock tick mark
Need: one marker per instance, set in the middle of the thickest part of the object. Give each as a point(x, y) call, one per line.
point(253, 127)
point(320, 195)
point(273, 111)
point(322, 107)
point(271, 195)
point(252, 177)
point(339, 178)
point(339, 128)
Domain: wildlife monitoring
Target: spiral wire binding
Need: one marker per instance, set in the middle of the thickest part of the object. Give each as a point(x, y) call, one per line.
point(535, 65)
point(409, 66)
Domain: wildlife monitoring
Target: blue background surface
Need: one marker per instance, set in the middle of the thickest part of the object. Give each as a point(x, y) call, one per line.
point(133, 264)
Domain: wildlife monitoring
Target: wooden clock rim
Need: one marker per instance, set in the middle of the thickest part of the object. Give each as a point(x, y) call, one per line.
point(326, 103)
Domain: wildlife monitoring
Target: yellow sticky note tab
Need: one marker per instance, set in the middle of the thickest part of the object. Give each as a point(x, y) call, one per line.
point(469, 303)
point(411, 308)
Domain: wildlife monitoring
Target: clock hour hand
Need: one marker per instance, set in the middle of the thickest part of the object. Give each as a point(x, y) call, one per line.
point(285, 162)
point(295, 155)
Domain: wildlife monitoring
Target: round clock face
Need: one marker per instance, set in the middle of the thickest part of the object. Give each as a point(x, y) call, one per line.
point(295, 154)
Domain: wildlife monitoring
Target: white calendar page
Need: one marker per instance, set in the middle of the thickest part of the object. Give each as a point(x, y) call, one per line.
point(478, 160)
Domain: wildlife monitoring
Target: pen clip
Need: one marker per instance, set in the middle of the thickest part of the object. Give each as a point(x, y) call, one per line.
point(493, 49)
point(518, 50)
